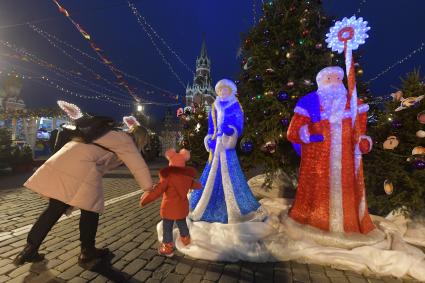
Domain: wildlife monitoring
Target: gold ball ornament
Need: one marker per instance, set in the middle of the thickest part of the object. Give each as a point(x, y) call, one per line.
point(360, 72)
point(388, 187)
point(420, 134)
point(391, 143)
point(418, 150)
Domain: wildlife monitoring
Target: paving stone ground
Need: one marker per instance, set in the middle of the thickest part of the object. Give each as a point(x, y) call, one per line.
point(130, 232)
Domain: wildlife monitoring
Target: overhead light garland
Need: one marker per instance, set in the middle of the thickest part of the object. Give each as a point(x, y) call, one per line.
point(362, 2)
point(401, 61)
point(158, 90)
point(33, 113)
point(26, 56)
point(106, 61)
point(139, 20)
point(161, 38)
point(75, 84)
point(55, 38)
point(44, 80)
point(81, 64)
point(254, 11)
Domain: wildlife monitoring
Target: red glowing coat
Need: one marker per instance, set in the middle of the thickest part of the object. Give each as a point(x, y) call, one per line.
point(329, 195)
point(174, 185)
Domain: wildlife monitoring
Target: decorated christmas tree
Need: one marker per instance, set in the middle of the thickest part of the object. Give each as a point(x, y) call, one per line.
point(5, 147)
point(194, 128)
point(395, 169)
point(281, 57)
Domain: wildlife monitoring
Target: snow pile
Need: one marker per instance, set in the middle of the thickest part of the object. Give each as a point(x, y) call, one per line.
point(383, 252)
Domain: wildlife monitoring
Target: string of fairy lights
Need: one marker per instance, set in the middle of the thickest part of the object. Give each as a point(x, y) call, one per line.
point(164, 59)
point(27, 56)
point(401, 61)
point(120, 80)
point(398, 62)
point(32, 74)
point(52, 83)
point(81, 64)
point(44, 80)
point(55, 38)
point(254, 11)
point(159, 90)
point(362, 2)
point(85, 88)
point(172, 51)
point(67, 75)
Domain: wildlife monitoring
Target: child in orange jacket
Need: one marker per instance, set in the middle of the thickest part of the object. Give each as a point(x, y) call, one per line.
point(175, 182)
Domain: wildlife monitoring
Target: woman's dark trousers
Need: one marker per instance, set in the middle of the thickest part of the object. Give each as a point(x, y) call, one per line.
point(88, 224)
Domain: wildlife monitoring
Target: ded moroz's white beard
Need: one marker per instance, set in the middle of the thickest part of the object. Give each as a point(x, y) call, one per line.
point(333, 99)
point(329, 93)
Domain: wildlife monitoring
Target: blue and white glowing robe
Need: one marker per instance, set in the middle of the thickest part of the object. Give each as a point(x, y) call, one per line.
point(225, 196)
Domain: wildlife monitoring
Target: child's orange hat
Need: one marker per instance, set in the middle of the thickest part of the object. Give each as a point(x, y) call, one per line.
point(177, 159)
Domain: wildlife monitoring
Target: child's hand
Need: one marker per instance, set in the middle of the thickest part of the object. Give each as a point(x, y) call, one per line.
point(150, 189)
point(141, 199)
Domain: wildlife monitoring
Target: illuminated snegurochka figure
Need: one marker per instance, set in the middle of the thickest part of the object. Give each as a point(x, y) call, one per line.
point(331, 193)
point(225, 196)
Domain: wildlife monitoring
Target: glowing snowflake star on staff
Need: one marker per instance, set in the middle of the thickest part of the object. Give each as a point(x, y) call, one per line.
point(352, 30)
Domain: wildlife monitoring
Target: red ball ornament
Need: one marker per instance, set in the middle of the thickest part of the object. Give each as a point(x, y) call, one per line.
point(364, 146)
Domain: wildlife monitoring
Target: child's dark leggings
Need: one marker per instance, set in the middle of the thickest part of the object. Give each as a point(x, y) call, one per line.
point(167, 227)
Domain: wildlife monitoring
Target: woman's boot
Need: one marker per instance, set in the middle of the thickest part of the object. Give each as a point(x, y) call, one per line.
point(28, 254)
point(90, 257)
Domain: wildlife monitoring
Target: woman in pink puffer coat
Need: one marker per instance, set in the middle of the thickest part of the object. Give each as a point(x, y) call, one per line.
point(72, 177)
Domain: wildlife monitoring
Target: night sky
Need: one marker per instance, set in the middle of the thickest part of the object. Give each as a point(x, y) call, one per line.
point(397, 29)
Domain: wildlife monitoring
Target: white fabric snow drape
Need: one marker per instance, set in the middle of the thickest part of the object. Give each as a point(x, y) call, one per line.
point(384, 253)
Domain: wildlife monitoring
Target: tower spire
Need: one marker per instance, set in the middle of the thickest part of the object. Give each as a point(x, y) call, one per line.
point(201, 90)
point(203, 48)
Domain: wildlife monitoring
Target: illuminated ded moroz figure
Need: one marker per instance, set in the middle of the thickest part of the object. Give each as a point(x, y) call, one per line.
point(331, 193)
point(225, 196)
